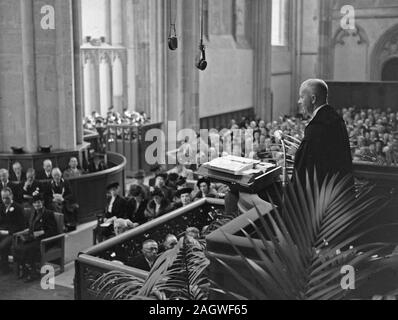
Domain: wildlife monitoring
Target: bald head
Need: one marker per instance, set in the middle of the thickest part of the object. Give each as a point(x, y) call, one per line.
point(313, 94)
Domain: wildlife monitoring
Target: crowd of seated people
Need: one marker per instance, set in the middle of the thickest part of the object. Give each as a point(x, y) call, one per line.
point(373, 135)
point(165, 192)
point(40, 225)
point(50, 182)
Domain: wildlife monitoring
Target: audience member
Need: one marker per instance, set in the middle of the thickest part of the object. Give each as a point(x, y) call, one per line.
point(148, 258)
point(158, 206)
point(205, 190)
point(139, 178)
point(17, 175)
point(73, 171)
point(12, 220)
point(30, 187)
point(170, 242)
point(42, 225)
point(6, 183)
point(137, 205)
point(116, 208)
point(45, 173)
point(184, 196)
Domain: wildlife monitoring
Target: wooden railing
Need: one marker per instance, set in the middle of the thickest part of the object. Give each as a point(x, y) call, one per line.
point(98, 260)
point(89, 190)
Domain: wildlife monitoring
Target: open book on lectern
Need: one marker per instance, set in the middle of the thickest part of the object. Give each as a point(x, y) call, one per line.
point(233, 165)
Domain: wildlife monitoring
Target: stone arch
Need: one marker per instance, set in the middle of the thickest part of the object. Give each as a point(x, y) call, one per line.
point(385, 49)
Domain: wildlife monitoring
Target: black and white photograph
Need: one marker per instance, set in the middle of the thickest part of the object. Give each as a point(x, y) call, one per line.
point(193, 156)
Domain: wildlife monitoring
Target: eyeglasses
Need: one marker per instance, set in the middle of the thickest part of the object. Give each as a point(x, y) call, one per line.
point(151, 249)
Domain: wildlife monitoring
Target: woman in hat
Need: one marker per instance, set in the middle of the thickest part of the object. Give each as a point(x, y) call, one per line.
point(205, 190)
point(161, 180)
point(137, 205)
point(155, 169)
point(139, 178)
point(42, 225)
point(116, 208)
point(185, 198)
point(158, 206)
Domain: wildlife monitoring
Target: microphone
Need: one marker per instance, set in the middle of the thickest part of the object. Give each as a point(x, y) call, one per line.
point(279, 135)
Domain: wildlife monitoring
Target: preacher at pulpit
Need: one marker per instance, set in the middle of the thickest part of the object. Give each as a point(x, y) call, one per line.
point(326, 145)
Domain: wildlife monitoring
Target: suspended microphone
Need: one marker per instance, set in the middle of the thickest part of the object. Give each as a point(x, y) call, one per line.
point(202, 63)
point(173, 40)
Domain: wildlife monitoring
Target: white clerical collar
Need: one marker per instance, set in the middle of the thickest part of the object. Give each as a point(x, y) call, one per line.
point(317, 110)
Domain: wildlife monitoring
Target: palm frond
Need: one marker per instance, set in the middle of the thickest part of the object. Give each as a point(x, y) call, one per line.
point(301, 251)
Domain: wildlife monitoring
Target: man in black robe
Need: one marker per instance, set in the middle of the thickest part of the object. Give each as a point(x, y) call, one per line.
point(326, 145)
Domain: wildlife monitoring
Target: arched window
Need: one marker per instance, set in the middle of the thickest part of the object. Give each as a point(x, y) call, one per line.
point(280, 20)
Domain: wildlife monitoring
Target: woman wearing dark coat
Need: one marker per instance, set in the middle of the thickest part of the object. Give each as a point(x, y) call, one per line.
point(158, 206)
point(137, 205)
point(42, 225)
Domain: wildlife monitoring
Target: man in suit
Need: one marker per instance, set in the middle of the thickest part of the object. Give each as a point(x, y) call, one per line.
point(42, 225)
point(6, 183)
point(325, 146)
point(148, 258)
point(45, 173)
point(12, 220)
point(17, 175)
point(30, 187)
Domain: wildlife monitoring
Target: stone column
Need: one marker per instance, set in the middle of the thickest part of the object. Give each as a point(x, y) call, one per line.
point(29, 70)
point(262, 59)
point(78, 69)
point(65, 71)
point(325, 40)
point(190, 74)
point(88, 79)
point(37, 105)
point(116, 23)
point(117, 81)
point(105, 82)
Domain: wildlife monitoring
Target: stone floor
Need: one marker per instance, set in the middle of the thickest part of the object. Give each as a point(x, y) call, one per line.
point(13, 289)
point(81, 239)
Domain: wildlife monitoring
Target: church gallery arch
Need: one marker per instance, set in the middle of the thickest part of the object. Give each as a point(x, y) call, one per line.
point(389, 71)
point(384, 55)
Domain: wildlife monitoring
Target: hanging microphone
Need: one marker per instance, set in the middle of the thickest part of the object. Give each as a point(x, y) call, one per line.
point(202, 63)
point(173, 40)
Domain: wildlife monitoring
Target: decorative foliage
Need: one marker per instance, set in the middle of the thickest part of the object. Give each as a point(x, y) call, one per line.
point(307, 241)
point(178, 274)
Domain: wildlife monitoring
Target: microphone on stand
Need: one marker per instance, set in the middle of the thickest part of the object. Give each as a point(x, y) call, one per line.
point(280, 136)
